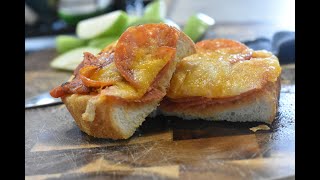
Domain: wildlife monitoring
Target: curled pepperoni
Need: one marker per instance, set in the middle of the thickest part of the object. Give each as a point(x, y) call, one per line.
point(235, 49)
point(137, 42)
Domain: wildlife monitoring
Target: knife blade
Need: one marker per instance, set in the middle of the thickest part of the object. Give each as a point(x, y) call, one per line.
point(43, 99)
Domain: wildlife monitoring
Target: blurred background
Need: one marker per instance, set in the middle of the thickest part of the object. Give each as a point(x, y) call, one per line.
point(49, 17)
point(270, 22)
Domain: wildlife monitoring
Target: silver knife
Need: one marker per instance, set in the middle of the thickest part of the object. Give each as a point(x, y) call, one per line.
point(43, 99)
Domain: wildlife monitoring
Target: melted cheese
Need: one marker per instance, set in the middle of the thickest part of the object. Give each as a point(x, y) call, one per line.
point(145, 71)
point(107, 73)
point(146, 67)
point(213, 75)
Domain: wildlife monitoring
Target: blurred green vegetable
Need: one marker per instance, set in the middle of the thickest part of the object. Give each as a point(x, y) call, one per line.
point(155, 10)
point(73, 18)
point(71, 59)
point(132, 19)
point(110, 24)
point(102, 42)
point(65, 43)
point(197, 25)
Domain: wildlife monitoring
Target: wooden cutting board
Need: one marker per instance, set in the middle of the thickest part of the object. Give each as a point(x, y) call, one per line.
point(162, 148)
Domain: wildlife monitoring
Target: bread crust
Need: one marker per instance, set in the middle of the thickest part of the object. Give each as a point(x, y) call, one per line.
point(103, 125)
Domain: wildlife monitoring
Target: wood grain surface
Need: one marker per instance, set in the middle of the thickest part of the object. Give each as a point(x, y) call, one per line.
point(162, 148)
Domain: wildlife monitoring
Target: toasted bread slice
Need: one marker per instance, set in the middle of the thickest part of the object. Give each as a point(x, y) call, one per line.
point(256, 106)
point(225, 80)
point(106, 117)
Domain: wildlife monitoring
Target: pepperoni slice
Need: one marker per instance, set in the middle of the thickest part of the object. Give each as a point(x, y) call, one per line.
point(236, 50)
point(136, 43)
